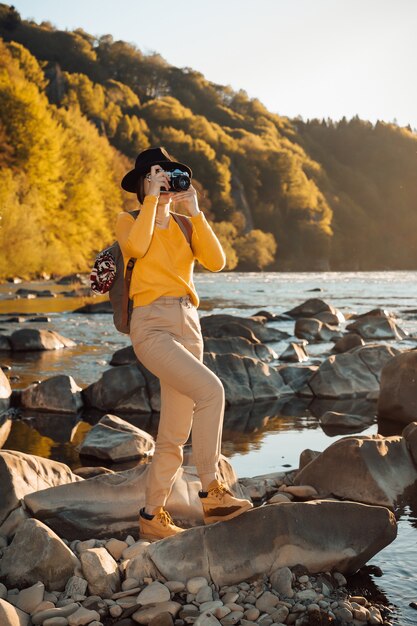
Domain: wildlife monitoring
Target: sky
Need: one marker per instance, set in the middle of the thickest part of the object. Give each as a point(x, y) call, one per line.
point(313, 58)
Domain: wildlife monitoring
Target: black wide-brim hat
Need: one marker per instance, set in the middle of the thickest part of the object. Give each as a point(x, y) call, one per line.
point(144, 160)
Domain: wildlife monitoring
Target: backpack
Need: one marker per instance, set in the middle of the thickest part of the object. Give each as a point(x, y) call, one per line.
point(108, 275)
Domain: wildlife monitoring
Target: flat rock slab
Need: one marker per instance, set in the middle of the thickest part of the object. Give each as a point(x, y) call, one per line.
point(108, 505)
point(323, 535)
point(22, 473)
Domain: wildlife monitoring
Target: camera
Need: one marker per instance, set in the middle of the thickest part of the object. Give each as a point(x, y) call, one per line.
point(179, 181)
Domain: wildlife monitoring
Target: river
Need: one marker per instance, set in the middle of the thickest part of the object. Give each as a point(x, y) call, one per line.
point(265, 439)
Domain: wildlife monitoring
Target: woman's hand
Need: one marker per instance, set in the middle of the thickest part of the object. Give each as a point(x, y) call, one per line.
point(189, 198)
point(156, 179)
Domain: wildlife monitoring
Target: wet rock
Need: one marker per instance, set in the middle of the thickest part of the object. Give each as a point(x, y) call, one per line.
point(397, 399)
point(5, 344)
point(295, 352)
point(239, 346)
point(410, 437)
point(71, 279)
point(101, 572)
point(5, 395)
point(108, 504)
point(323, 535)
point(374, 327)
point(347, 342)
point(264, 486)
point(225, 325)
point(37, 553)
point(374, 470)
point(315, 330)
point(246, 380)
point(351, 374)
point(96, 307)
point(120, 389)
point(311, 307)
point(344, 420)
point(29, 339)
point(114, 439)
point(22, 473)
point(297, 376)
point(57, 394)
point(124, 356)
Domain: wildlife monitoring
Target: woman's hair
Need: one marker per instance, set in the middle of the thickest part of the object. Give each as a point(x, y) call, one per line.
point(140, 188)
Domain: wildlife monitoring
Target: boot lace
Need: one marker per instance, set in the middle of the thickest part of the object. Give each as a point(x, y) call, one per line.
point(219, 491)
point(165, 518)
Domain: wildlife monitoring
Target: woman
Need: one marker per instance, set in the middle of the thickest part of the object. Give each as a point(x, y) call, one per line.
point(166, 337)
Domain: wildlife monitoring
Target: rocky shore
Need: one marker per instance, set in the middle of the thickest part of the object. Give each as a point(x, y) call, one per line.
point(70, 553)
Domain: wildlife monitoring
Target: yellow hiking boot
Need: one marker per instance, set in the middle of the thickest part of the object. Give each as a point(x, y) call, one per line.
point(157, 526)
point(220, 504)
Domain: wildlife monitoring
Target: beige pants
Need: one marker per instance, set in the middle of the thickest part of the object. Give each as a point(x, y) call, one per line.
point(166, 337)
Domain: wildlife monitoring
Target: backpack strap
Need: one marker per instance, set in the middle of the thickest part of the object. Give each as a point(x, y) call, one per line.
point(184, 223)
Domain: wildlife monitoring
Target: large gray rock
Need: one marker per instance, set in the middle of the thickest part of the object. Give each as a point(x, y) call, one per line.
point(56, 394)
point(22, 473)
point(351, 374)
point(345, 420)
point(119, 389)
point(297, 376)
point(370, 469)
point(239, 346)
point(114, 439)
point(322, 535)
point(253, 328)
point(5, 391)
point(108, 505)
point(246, 380)
point(376, 327)
point(221, 345)
point(347, 342)
point(312, 307)
point(37, 553)
point(314, 330)
point(410, 437)
point(28, 339)
point(294, 352)
point(398, 394)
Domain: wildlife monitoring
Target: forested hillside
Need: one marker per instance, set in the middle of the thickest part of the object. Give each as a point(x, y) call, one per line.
point(282, 194)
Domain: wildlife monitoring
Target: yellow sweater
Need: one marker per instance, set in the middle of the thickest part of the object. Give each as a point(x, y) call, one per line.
point(165, 261)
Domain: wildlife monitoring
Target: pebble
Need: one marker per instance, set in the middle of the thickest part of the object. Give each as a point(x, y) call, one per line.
point(116, 610)
point(281, 581)
point(194, 584)
point(144, 614)
point(252, 614)
point(56, 621)
point(116, 547)
point(129, 540)
point(267, 599)
point(230, 596)
point(43, 606)
point(175, 586)
point(207, 619)
point(28, 599)
point(303, 579)
point(155, 592)
point(340, 579)
point(280, 614)
point(211, 606)
point(39, 617)
point(129, 583)
point(82, 616)
point(205, 594)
